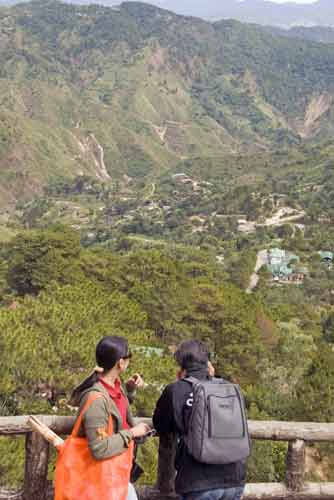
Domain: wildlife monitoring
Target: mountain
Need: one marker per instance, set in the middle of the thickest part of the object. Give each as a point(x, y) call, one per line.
point(135, 90)
point(321, 34)
point(258, 11)
point(288, 14)
point(265, 12)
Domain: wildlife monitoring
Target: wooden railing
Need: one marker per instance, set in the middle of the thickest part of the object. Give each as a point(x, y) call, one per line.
point(297, 434)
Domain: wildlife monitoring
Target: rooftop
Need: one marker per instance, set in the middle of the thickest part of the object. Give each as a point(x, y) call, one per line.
point(325, 255)
point(280, 261)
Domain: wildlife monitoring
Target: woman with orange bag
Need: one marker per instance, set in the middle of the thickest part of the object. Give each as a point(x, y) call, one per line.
point(95, 461)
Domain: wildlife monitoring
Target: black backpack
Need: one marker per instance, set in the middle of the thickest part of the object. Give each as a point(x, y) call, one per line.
point(217, 431)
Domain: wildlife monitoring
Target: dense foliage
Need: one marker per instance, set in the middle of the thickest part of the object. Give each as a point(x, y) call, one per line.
point(51, 322)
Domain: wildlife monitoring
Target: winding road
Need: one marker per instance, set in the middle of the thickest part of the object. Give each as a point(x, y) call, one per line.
point(261, 260)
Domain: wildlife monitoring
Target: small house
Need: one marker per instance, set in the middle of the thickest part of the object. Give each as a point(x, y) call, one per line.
point(327, 258)
point(283, 266)
point(299, 274)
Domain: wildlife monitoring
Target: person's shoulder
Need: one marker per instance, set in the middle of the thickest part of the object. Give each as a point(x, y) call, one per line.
point(182, 382)
point(169, 389)
point(179, 386)
point(176, 388)
point(95, 394)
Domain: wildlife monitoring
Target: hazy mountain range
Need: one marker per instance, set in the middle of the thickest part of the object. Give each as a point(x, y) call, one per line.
point(321, 34)
point(264, 12)
point(257, 11)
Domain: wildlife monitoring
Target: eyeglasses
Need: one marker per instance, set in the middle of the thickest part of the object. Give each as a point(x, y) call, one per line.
point(127, 356)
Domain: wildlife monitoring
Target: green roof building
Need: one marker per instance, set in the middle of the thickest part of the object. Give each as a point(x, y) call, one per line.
point(149, 351)
point(326, 256)
point(279, 264)
point(277, 253)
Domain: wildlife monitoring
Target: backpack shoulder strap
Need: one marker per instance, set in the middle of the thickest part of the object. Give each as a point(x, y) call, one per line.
point(221, 380)
point(216, 380)
point(192, 380)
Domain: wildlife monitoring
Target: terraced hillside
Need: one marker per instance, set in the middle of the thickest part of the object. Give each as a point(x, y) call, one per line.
point(136, 90)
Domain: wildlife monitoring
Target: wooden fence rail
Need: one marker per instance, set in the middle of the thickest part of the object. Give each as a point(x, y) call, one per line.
point(36, 486)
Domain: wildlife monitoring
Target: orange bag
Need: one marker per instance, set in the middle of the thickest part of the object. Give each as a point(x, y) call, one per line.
point(80, 477)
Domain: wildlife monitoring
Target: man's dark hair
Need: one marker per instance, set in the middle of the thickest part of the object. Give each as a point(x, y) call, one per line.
point(192, 353)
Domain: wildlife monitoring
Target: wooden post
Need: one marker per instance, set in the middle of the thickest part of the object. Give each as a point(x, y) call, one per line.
point(164, 489)
point(166, 469)
point(295, 465)
point(36, 467)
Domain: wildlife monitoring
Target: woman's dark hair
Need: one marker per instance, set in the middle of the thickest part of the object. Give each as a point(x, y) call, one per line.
point(191, 354)
point(108, 351)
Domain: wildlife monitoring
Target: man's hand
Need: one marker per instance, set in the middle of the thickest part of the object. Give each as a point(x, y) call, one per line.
point(135, 382)
point(140, 430)
point(211, 369)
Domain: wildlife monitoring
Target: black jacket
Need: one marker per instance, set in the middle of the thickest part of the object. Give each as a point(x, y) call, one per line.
point(172, 416)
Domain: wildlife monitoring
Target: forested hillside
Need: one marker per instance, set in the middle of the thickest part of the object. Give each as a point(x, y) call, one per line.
point(58, 299)
point(135, 90)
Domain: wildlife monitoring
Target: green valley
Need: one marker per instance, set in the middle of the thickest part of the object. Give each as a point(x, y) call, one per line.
point(148, 89)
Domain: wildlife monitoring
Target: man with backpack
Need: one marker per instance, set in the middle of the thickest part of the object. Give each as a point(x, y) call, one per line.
point(209, 419)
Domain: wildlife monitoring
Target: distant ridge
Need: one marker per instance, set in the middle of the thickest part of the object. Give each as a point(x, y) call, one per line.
point(321, 34)
point(286, 15)
point(265, 12)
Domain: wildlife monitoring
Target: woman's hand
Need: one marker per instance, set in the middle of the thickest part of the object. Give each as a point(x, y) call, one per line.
point(140, 430)
point(135, 382)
